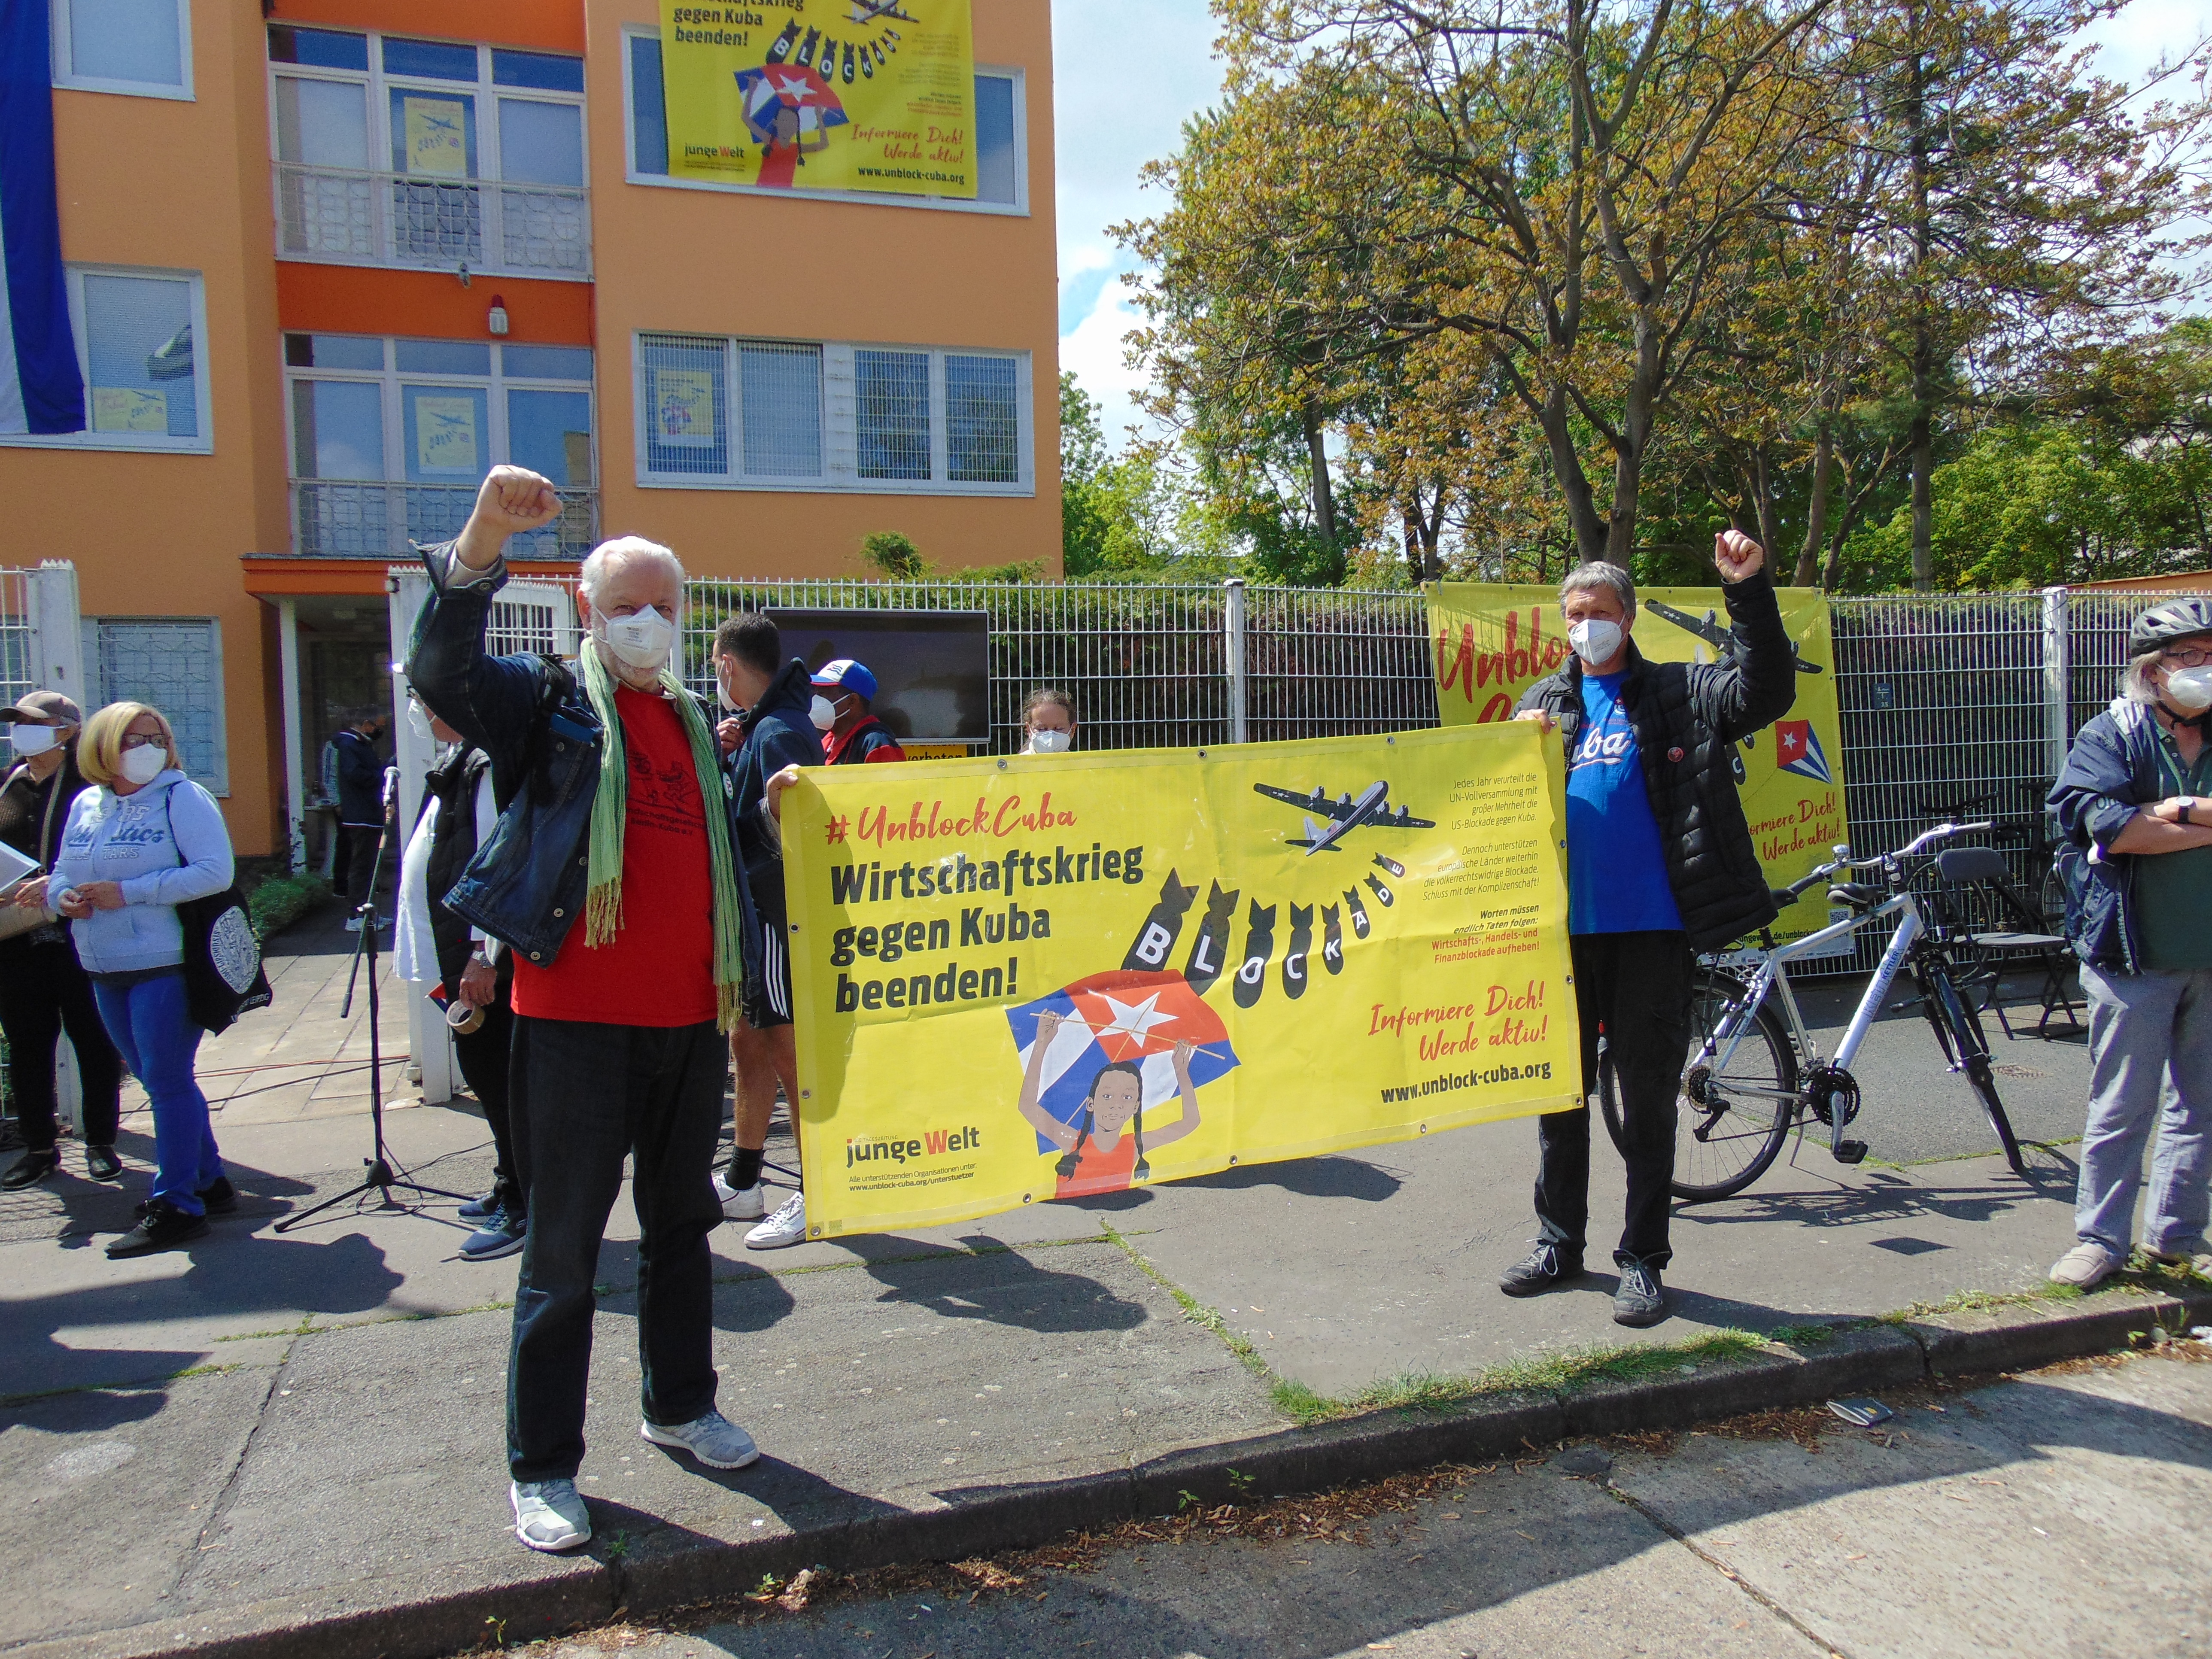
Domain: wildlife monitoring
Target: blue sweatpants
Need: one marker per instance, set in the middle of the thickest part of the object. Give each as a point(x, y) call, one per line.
point(159, 1043)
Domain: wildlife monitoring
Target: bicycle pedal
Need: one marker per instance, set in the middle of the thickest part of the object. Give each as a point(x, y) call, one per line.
point(1849, 1152)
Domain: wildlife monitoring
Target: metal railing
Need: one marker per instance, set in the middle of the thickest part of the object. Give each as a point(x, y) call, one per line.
point(339, 520)
point(342, 216)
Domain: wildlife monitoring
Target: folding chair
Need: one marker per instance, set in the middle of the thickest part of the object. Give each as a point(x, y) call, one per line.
point(2021, 934)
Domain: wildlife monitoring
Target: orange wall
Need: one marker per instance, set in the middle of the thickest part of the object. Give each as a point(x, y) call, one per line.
point(180, 185)
point(842, 272)
point(547, 25)
point(429, 305)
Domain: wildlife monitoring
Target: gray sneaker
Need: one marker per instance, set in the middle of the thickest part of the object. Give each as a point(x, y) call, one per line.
point(549, 1515)
point(713, 1439)
point(2085, 1266)
point(1641, 1299)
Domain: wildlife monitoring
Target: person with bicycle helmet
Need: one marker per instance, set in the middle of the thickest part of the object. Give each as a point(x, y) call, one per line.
point(2134, 802)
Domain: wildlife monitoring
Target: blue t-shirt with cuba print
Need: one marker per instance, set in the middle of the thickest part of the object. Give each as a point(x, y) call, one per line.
point(1616, 868)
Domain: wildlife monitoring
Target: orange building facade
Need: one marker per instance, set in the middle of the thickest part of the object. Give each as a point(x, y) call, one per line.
point(331, 260)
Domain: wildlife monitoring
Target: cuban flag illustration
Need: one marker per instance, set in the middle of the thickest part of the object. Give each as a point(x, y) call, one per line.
point(1797, 748)
point(40, 389)
point(1120, 1016)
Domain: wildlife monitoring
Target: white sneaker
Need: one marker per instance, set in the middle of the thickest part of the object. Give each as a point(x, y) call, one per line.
point(713, 1439)
point(549, 1515)
point(2088, 1264)
point(787, 1226)
point(746, 1206)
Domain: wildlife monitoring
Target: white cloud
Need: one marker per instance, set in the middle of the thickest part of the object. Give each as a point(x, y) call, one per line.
point(1094, 351)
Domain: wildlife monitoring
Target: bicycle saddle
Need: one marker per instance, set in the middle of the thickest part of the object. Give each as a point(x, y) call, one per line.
point(1859, 895)
point(1782, 900)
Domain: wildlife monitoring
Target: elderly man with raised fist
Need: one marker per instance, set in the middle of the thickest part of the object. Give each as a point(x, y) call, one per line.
point(1660, 865)
point(616, 878)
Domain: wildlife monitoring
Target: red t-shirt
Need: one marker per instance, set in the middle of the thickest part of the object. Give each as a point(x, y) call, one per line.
point(659, 968)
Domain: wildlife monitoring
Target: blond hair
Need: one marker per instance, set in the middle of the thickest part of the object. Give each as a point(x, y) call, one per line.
point(100, 745)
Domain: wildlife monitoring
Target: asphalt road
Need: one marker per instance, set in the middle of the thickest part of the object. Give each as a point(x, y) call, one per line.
point(2065, 1512)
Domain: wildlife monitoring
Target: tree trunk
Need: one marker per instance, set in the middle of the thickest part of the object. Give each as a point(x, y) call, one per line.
point(1324, 504)
point(1816, 509)
point(1769, 522)
point(1924, 502)
point(1924, 350)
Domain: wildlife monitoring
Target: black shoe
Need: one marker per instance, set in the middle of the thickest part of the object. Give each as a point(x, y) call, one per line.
point(221, 1199)
point(1642, 1299)
point(163, 1227)
point(1545, 1267)
point(29, 1169)
point(101, 1163)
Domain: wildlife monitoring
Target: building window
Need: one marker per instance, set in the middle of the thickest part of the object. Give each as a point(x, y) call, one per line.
point(173, 664)
point(143, 47)
point(137, 344)
point(774, 414)
point(428, 153)
point(391, 437)
point(1002, 184)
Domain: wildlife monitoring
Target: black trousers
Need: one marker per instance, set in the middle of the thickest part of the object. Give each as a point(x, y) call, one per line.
point(43, 992)
point(1635, 989)
point(362, 843)
point(588, 1094)
point(484, 1056)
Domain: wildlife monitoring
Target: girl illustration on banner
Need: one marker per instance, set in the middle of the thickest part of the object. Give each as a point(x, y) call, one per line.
point(1096, 1156)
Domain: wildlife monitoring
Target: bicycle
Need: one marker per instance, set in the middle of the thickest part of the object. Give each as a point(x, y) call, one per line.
point(1744, 1088)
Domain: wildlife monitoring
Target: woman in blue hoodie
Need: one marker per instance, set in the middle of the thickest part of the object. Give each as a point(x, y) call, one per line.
point(147, 840)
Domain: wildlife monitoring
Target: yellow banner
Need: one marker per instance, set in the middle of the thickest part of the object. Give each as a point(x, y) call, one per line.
point(125, 408)
point(444, 434)
point(437, 137)
point(1042, 977)
point(822, 95)
point(1491, 642)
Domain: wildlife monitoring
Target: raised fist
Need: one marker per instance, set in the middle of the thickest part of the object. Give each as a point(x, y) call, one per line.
point(514, 499)
point(1736, 556)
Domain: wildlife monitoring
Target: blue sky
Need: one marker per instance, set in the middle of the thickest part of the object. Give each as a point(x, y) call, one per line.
point(1127, 73)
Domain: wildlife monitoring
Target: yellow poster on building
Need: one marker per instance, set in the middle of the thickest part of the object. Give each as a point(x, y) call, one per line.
point(1036, 977)
point(822, 95)
point(1491, 642)
point(126, 408)
point(437, 137)
point(444, 434)
point(683, 408)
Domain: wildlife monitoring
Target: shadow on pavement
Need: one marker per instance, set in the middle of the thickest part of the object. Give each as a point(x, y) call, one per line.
point(1309, 1177)
point(1005, 1288)
point(1884, 1197)
point(68, 1206)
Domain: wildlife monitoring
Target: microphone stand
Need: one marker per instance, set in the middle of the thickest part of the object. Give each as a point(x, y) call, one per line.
point(382, 1172)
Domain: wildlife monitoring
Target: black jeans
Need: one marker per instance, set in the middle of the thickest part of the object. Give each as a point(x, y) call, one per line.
point(588, 1094)
point(1636, 988)
point(362, 843)
point(483, 1054)
point(43, 992)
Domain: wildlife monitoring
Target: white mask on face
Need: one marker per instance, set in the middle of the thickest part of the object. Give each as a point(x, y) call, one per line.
point(722, 696)
point(1050, 742)
point(823, 712)
point(1595, 641)
point(144, 763)
point(641, 640)
point(418, 722)
point(32, 739)
point(2189, 689)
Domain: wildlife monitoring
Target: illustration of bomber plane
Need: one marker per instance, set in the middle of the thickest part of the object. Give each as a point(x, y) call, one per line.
point(1371, 810)
point(868, 11)
point(1717, 636)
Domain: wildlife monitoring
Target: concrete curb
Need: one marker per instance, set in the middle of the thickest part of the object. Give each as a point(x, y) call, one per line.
point(677, 1569)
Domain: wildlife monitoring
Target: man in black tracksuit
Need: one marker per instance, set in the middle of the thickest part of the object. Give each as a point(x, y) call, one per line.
point(361, 823)
point(1660, 865)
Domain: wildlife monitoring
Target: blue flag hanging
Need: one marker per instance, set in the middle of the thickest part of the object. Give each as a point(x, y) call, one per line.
point(40, 389)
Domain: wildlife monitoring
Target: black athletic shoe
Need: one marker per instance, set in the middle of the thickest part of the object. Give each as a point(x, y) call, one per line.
point(1642, 1299)
point(163, 1227)
point(1545, 1267)
point(29, 1169)
point(220, 1199)
point(101, 1163)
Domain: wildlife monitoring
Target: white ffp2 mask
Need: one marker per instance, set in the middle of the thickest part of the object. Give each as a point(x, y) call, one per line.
point(823, 713)
point(144, 763)
point(2190, 689)
point(1595, 641)
point(32, 739)
point(641, 640)
point(1050, 742)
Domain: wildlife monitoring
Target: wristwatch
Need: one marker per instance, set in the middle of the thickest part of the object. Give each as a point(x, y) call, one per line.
point(2187, 801)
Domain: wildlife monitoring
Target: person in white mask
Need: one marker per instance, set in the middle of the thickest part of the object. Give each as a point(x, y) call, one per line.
point(2134, 803)
point(616, 877)
point(1660, 865)
point(1047, 722)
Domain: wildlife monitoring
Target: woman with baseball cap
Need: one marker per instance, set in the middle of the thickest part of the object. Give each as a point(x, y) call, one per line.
point(44, 990)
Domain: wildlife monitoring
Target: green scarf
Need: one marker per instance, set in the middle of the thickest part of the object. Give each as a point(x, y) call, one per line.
point(602, 900)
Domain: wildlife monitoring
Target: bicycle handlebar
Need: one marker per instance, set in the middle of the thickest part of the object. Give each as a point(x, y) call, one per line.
point(1843, 861)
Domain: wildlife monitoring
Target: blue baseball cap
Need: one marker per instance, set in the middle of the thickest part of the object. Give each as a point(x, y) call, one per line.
point(846, 675)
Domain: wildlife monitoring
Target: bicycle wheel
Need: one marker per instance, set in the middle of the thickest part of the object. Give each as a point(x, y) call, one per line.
point(1958, 1033)
point(1731, 1122)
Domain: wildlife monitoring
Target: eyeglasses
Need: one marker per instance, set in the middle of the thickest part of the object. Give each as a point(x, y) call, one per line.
point(2187, 656)
point(141, 740)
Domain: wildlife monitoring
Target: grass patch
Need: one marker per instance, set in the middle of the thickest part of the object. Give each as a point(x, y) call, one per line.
point(278, 901)
point(10, 1400)
point(1801, 1336)
point(1560, 1371)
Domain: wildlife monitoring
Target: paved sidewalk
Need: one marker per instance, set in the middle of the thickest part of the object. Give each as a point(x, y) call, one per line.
point(266, 1431)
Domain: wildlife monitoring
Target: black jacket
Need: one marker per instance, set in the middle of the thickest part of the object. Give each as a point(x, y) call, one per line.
point(2112, 773)
point(450, 791)
point(33, 814)
point(360, 779)
point(779, 732)
point(1686, 717)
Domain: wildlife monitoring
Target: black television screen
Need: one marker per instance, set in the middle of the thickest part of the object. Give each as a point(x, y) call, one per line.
point(932, 668)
